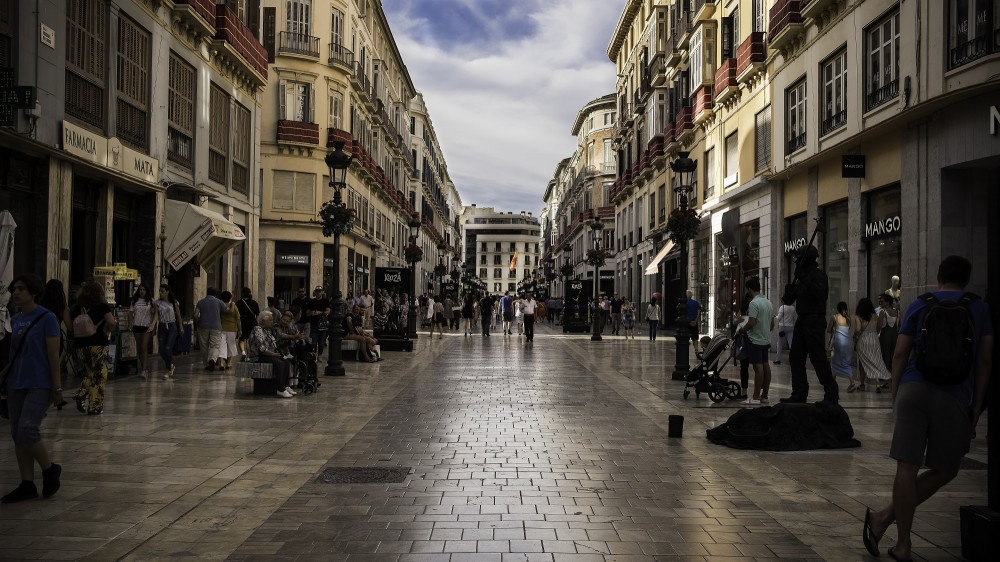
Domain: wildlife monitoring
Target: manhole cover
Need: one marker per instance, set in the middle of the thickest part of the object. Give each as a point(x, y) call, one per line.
point(972, 464)
point(364, 475)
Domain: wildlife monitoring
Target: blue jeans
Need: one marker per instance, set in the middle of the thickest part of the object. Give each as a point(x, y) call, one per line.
point(166, 335)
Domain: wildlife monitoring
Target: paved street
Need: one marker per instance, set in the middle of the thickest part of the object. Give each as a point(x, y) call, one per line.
point(555, 450)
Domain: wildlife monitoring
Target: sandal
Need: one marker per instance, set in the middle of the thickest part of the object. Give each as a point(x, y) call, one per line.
point(851, 388)
point(861, 387)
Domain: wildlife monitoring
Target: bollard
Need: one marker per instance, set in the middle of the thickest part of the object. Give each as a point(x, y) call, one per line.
point(675, 426)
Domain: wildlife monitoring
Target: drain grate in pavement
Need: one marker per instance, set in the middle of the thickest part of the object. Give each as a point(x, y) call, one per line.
point(972, 464)
point(364, 475)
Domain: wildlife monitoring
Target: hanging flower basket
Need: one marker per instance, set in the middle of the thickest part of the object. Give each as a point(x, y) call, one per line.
point(566, 270)
point(596, 258)
point(455, 274)
point(683, 225)
point(440, 270)
point(336, 219)
point(550, 275)
point(413, 253)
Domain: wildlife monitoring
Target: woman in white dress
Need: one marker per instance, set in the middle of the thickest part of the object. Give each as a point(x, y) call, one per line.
point(866, 343)
point(888, 318)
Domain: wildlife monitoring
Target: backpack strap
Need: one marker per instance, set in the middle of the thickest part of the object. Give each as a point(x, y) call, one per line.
point(967, 298)
point(929, 298)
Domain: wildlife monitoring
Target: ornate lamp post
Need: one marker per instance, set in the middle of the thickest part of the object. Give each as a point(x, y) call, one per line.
point(684, 167)
point(337, 220)
point(596, 258)
point(440, 270)
point(413, 255)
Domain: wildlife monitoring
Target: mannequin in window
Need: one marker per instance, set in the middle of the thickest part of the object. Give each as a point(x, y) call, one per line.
point(894, 290)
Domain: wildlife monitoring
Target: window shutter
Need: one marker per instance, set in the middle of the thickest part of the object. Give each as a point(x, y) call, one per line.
point(305, 189)
point(283, 192)
point(283, 100)
point(727, 38)
point(270, 17)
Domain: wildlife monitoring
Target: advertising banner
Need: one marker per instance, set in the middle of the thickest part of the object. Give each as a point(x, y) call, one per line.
point(392, 288)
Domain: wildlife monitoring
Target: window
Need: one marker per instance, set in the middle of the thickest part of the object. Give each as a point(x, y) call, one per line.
point(971, 31)
point(497, 247)
point(512, 274)
point(337, 30)
point(497, 259)
point(483, 272)
point(297, 17)
point(762, 139)
point(294, 191)
point(86, 65)
point(482, 259)
point(133, 84)
point(695, 62)
point(242, 136)
point(482, 247)
point(180, 112)
point(296, 103)
point(795, 126)
point(882, 40)
point(709, 173)
point(662, 196)
point(759, 16)
point(218, 134)
point(732, 171)
point(513, 246)
point(497, 272)
point(336, 110)
point(834, 102)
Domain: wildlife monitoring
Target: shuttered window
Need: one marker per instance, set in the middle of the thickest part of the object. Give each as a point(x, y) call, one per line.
point(762, 139)
point(241, 150)
point(218, 134)
point(294, 191)
point(133, 84)
point(180, 112)
point(86, 66)
point(732, 160)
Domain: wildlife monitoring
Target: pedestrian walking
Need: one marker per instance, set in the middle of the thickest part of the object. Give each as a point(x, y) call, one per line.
point(142, 320)
point(760, 323)
point(528, 308)
point(694, 318)
point(168, 312)
point(485, 313)
point(839, 343)
point(93, 320)
point(869, 350)
point(888, 320)
point(628, 319)
point(785, 319)
point(616, 314)
point(248, 309)
point(468, 312)
point(32, 382)
point(938, 395)
point(653, 318)
point(230, 322)
point(208, 317)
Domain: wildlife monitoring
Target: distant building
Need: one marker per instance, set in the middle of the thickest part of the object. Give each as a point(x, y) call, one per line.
point(504, 247)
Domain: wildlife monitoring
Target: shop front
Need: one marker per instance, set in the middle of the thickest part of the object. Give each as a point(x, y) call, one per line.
point(836, 259)
point(291, 269)
point(883, 243)
point(796, 236)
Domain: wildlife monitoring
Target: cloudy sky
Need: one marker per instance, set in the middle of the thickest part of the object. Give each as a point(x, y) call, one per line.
point(503, 81)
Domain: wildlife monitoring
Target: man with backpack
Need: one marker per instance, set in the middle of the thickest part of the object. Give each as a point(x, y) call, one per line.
point(940, 372)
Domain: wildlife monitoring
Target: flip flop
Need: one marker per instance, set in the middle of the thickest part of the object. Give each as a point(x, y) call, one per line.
point(871, 544)
point(892, 555)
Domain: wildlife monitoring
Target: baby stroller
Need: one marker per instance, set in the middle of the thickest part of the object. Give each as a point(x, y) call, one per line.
point(304, 367)
point(705, 376)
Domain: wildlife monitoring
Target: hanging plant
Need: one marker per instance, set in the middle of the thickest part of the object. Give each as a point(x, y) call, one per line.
point(683, 225)
point(596, 257)
point(336, 219)
point(566, 270)
point(440, 270)
point(413, 253)
point(455, 274)
point(550, 275)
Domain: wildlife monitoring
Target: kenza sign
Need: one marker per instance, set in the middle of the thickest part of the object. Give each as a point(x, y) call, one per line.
point(882, 227)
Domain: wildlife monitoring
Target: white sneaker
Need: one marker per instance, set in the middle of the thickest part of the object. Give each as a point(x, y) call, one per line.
point(291, 391)
point(284, 393)
point(750, 402)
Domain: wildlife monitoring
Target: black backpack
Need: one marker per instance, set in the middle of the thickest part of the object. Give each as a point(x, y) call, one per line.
point(944, 348)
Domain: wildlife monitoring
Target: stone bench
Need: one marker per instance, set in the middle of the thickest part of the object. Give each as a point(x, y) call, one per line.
point(260, 373)
point(350, 345)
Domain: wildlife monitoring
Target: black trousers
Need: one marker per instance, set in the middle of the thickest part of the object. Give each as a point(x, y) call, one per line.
point(279, 367)
point(807, 339)
point(484, 319)
point(529, 327)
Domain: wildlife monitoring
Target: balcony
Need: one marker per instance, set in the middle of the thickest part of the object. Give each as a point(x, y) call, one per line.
point(684, 124)
point(235, 42)
point(683, 30)
point(833, 122)
point(974, 49)
point(333, 135)
point(658, 70)
point(703, 108)
point(750, 57)
point(197, 15)
point(786, 23)
point(794, 143)
point(877, 95)
point(725, 81)
point(339, 56)
point(298, 44)
point(815, 8)
point(297, 132)
point(702, 10)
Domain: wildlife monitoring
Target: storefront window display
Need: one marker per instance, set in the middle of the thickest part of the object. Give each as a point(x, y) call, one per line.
point(836, 259)
point(750, 244)
point(702, 260)
point(796, 236)
point(291, 269)
point(881, 235)
point(727, 285)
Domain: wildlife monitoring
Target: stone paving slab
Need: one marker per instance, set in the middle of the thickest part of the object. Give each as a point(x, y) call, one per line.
point(554, 450)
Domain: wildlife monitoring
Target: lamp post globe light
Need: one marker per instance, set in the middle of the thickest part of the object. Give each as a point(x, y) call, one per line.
point(413, 254)
point(684, 167)
point(595, 314)
point(336, 221)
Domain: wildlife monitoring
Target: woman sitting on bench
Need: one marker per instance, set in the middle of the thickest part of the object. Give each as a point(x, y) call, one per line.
point(354, 331)
point(264, 349)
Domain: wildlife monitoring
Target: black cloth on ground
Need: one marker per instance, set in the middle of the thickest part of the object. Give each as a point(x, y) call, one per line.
point(787, 427)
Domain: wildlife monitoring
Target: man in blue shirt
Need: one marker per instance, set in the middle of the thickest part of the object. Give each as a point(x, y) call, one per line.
point(507, 312)
point(934, 423)
point(208, 316)
point(693, 310)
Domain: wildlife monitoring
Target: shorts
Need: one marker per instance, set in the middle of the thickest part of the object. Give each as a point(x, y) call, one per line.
point(140, 329)
point(693, 331)
point(757, 354)
point(27, 409)
point(930, 427)
point(508, 316)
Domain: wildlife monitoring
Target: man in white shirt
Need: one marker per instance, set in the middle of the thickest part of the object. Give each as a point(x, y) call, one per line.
point(785, 320)
point(528, 310)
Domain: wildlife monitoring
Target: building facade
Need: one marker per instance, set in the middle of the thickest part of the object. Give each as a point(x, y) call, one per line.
point(504, 247)
point(337, 77)
point(142, 113)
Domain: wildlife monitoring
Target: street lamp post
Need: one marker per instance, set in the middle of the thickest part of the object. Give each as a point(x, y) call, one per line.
point(338, 161)
point(411, 317)
point(597, 227)
point(684, 167)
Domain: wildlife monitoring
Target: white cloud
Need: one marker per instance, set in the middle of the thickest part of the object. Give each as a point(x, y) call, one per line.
point(503, 101)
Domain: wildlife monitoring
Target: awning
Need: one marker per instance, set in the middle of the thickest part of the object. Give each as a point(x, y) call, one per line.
point(194, 231)
point(654, 266)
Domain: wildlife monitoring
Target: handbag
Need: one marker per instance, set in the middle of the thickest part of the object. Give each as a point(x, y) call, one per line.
point(4, 411)
point(741, 347)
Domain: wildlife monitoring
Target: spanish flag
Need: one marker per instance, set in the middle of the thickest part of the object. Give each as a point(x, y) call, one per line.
point(513, 261)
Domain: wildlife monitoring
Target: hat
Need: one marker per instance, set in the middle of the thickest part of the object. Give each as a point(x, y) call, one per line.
point(317, 289)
